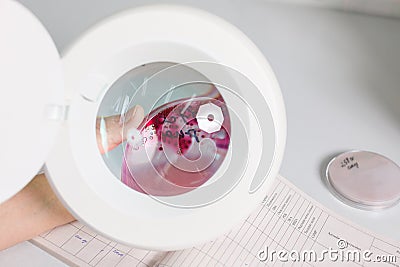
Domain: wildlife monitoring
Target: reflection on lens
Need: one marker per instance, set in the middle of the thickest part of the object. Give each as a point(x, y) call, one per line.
point(176, 155)
point(183, 140)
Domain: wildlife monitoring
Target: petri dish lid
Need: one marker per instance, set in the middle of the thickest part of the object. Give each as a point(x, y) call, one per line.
point(364, 180)
point(31, 92)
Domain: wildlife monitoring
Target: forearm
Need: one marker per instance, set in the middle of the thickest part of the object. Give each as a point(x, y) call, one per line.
point(34, 210)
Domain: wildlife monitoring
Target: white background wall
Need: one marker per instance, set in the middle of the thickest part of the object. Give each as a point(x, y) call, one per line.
point(390, 8)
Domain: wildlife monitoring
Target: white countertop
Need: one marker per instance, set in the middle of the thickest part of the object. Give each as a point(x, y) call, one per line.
point(340, 77)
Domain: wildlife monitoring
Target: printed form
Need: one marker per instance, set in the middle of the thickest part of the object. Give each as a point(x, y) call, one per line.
point(288, 229)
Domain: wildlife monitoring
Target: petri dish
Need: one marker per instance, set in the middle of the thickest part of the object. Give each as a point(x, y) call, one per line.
point(183, 138)
point(364, 180)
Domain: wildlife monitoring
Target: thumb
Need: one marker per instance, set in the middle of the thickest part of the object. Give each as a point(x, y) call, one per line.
point(132, 119)
point(110, 131)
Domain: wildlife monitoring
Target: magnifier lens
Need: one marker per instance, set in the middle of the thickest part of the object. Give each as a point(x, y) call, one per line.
point(182, 141)
point(177, 152)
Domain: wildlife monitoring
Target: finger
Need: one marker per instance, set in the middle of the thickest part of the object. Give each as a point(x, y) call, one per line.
point(112, 130)
point(133, 118)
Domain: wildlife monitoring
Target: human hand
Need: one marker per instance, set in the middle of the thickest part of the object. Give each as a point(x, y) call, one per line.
point(110, 131)
point(36, 209)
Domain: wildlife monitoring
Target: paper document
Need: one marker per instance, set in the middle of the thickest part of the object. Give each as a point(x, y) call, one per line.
point(287, 229)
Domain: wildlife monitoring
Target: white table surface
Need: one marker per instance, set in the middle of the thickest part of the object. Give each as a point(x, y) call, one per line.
point(340, 77)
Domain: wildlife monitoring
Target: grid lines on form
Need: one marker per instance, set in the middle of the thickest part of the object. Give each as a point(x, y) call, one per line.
point(78, 245)
point(287, 220)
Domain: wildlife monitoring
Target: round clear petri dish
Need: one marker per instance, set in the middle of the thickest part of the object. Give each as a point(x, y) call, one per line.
point(364, 180)
point(183, 138)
